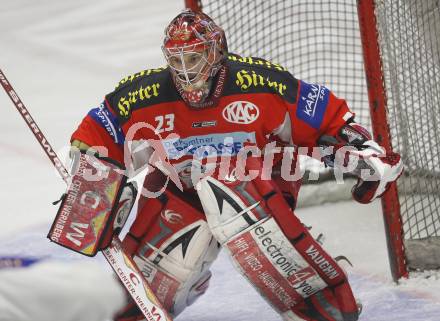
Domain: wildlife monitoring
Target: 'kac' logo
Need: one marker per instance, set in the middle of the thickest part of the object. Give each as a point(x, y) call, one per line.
point(241, 112)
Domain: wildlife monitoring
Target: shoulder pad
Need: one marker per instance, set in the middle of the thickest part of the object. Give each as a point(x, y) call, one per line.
point(143, 89)
point(257, 75)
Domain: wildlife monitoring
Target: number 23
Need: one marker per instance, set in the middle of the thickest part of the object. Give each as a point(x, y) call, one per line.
point(167, 120)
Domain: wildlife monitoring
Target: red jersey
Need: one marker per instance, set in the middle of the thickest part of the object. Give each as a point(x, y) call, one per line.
point(256, 101)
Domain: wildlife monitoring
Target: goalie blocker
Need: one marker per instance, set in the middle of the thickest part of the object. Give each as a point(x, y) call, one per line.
point(353, 151)
point(274, 251)
point(95, 206)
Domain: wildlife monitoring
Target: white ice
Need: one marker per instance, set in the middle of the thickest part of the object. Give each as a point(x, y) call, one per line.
point(62, 57)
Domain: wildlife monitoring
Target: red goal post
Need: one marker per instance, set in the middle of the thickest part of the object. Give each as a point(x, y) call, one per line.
point(381, 54)
point(378, 111)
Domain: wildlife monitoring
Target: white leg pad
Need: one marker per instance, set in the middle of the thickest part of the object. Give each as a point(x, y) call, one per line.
point(179, 280)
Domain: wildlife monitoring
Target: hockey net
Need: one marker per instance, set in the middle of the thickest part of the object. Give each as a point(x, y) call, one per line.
point(410, 52)
point(319, 41)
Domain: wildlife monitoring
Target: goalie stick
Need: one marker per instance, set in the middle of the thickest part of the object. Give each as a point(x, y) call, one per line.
point(123, 265)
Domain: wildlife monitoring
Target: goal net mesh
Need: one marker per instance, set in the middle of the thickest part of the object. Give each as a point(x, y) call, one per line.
point(319, 42)
point(408, 37)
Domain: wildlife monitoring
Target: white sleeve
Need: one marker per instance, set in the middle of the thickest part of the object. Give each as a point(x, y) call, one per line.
point(139, 154)
point(284, 131)
point(62, 291)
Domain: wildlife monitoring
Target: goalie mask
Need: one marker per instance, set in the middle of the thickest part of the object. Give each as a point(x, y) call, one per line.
point(195, 48)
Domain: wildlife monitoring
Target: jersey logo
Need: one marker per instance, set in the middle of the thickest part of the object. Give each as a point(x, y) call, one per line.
point(109, 122)
point(172, 217)
point(201, 124)
point(204, 146)
point(312, 104)
point(241, 112)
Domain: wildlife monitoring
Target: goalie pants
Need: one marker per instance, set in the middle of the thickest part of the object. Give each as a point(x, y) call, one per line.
point(175, 239)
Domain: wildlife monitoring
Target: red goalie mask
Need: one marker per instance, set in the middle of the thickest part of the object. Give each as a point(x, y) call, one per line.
point(195, 48)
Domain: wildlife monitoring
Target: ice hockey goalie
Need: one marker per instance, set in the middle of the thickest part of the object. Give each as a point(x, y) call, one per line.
point(215, 132)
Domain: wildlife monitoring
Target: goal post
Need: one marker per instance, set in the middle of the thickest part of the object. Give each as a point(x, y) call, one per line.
point(383, 57)
point(407, 36)
point(378, 111)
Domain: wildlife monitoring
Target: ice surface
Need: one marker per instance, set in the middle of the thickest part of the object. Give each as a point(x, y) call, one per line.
point(62, 57)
